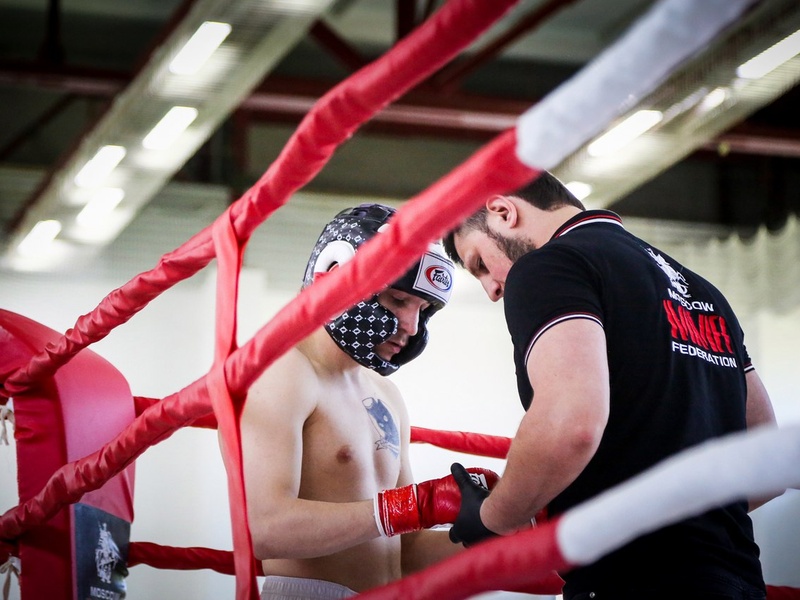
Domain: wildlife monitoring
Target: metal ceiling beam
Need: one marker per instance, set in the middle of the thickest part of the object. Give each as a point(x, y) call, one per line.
point(450, 78)
point(405, 17)
point(21, 137)
point(338, 47)
point(68, 80)
point(765, 142)
point(52, 48)
point(454, 113)
point(417, 111)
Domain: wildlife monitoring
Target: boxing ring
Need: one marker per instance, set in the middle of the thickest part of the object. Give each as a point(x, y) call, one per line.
point(65, 480)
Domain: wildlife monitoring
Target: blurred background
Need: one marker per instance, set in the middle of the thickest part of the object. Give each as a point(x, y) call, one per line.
point(713, 181)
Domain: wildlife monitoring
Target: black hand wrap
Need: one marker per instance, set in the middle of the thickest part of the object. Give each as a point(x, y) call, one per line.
point(468, 528)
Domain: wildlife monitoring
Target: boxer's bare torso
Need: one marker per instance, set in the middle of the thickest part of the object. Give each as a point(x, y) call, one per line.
point(328, 432)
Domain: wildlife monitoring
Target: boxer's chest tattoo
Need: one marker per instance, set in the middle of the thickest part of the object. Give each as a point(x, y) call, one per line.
point(383, 421)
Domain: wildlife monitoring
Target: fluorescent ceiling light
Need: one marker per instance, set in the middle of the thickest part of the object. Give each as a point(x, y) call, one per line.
point(97, 169)
point(714, 98)
point(100, 206)
point(631, 128)
point(579, 189)
point(771, 58)
point(39, 238)
point(298, 6)
point(199, 48)
point(686, 104)
point(169, 127)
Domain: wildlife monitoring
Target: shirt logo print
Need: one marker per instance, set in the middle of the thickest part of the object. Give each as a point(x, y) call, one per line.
point(676, 278)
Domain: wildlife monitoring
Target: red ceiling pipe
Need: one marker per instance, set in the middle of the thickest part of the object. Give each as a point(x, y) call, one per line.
point(450, 78)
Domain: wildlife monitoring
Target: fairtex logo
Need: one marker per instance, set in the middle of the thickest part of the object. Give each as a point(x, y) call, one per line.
point(439, 277)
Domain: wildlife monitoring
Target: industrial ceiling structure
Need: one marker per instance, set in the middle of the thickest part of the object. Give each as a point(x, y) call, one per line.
point(83, 81)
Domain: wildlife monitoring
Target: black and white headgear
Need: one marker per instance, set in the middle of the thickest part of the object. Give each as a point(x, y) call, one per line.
point(363, 327)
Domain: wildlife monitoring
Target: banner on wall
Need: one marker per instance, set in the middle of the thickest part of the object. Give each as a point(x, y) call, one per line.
point(101, 554)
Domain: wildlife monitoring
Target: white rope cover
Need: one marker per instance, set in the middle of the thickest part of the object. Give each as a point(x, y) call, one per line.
point(742, 465)
point(668, 35)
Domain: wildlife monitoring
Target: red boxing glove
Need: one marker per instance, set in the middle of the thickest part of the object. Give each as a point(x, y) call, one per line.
point(423, 505)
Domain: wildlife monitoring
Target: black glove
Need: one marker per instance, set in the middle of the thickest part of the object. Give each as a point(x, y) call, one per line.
point(468, 528)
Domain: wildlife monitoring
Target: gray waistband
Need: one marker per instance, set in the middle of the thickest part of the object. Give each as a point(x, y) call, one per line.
point(292, 588)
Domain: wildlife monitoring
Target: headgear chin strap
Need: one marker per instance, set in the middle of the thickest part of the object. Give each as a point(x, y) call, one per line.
point(363, 327)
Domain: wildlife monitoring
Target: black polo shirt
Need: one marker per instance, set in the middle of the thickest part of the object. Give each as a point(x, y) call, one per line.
point(677, 364)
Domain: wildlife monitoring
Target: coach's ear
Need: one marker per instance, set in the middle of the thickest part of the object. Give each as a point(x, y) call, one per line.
point(503, 213)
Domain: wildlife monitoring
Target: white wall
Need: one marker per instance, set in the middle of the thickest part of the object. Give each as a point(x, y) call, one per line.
point(777, 524)
point(465, 381)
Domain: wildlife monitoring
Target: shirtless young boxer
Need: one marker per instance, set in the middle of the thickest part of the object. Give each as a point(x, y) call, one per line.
point(325, 437)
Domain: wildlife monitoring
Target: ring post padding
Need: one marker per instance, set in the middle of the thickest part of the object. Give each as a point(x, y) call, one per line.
point(63, 418)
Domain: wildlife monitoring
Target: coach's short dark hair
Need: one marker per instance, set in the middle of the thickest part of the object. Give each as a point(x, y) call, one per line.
point(545, 192)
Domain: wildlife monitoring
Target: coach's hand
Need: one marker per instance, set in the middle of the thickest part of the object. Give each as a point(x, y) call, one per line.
point(468, 527)
point(426, 504)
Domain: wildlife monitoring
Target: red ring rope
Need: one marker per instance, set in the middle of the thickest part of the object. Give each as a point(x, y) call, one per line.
point(493, 169)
